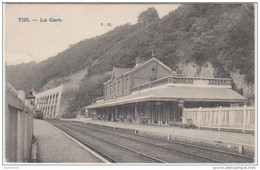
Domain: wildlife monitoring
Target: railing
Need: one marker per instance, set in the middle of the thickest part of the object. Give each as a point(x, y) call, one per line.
point(236, 118)
point(150, 84)
point(144, 120)
point(98, 99)
point(184, 80)
point(18, 126)
point(200, 80)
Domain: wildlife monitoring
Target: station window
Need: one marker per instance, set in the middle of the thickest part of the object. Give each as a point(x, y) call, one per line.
point(118, 86)
point(126, 84)
point(110, 90)
point(114, 88)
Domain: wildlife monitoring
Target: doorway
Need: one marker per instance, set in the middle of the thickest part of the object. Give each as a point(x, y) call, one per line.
point(158, 114)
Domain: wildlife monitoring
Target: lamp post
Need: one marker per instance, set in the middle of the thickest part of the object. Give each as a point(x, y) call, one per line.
point(180, 108)
point(180, 103)
point(31, 99)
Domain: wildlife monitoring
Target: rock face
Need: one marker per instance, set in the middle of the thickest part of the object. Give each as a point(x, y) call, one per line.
point(70, 86)
point(193, 70)
point(248, 89)
point(207, 70)
point(68, 95)
point(71, 80)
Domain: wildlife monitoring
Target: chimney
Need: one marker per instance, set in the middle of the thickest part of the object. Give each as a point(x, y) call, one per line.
point(138, 61)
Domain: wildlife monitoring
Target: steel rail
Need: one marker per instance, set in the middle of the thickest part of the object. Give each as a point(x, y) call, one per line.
point(183, 152)
point(127, 148)
point(183, 144)
point(121, 146)
point(191, 145)
point(111, 160)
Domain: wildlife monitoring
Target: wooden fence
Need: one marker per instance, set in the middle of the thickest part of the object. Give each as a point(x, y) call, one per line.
point(18, 126)
point(229, 118)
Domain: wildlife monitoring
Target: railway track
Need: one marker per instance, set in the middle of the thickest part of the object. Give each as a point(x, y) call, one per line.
point(112, 158)
point(106, 158)
point(198, 151)
point(171, 148)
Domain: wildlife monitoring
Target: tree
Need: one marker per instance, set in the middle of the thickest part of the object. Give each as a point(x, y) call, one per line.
point(148, 16)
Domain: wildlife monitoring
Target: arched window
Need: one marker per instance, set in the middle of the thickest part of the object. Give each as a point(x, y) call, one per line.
point(126, 84)
point(54, 111)
point(57, 98)
point(47, 100)
point(118, 86)
point(53, 98)
point(51, 113)
point(114, 88)
point(50, 99)
point(48, 112)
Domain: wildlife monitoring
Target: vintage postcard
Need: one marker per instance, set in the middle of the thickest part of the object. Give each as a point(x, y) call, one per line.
point(130, 84)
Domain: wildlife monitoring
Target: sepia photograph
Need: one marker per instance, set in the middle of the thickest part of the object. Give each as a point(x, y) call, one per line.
point(130, 84)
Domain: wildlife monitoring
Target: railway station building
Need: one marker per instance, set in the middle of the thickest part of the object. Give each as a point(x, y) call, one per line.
point(152, 93)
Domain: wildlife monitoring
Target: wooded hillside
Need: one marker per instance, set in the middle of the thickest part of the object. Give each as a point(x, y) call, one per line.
point(222, 35)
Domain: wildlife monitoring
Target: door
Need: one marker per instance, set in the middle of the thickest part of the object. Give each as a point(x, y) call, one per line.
point(154, 117)
point(158, 113)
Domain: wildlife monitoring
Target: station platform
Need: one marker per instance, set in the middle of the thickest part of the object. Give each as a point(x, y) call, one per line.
point(232, 141)
point(53, 146)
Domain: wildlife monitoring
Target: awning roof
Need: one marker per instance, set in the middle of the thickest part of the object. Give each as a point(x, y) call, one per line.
point(172, 93)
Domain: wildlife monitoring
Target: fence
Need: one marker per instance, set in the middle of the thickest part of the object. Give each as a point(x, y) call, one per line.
point(18, 126)
point(233, 118)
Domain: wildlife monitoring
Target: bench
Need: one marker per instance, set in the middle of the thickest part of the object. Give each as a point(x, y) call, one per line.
point(189, 124)
point(129, 118)
point(144, 120)
point(120, 118)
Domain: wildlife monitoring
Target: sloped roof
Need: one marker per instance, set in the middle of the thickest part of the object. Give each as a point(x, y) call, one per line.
point(146, 63)
point(120, 71)
point(117, 72)
point(173, 93)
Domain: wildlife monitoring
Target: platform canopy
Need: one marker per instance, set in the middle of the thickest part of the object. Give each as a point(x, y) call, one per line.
point(173, 93)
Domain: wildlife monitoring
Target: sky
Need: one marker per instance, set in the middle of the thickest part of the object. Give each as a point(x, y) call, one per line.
point(37, 41)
